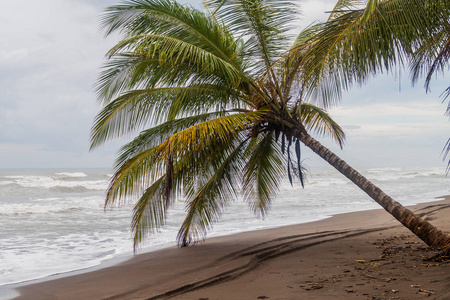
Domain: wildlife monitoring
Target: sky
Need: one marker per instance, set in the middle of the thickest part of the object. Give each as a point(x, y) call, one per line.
point(51, 52)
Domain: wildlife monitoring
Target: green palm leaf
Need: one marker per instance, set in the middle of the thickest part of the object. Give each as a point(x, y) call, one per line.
point(319, 121)
point(211, 198)
point(138, 165)
point(158, 134)
point(263, 172)
point(363, 39)
point(149, 212)
point(173, 50)
point(138, 108)
point(182, 34)
point(262, 23)
point(353, 46)
point(168, 18)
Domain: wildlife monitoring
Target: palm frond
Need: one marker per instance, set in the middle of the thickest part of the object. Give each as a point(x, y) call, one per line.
point(149, 212)
point(445, 96)
point(263, 172)
point(445, 153)
point(224, 129)
point(208, 202)
point(175, 34)
point(188, 171)
point(262, 23)
point(139, 166)
point(353, 46)
point(431, 56)
point(134, 175)
point(174, 51)
point(294, 59)
point(344, 6)
point(171, 19)
point(138, 108)
point(124, 73)
point(158, 134)
point(319, 121)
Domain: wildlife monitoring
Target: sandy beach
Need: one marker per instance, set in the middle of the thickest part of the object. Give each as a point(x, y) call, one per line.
point(362, 255)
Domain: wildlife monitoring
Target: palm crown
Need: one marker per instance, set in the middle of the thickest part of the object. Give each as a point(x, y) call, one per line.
point(219, 99)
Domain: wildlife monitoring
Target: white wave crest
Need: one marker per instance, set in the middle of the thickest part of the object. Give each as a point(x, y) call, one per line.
point(50, 205)
point(49, 182)
point(6, 182)
point(72, 174)
point(389, 174)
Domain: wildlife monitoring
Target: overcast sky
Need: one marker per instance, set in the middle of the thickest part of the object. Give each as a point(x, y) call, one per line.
point(50, 55)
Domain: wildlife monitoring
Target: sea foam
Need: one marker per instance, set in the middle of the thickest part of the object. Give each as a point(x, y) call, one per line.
point(54, 221)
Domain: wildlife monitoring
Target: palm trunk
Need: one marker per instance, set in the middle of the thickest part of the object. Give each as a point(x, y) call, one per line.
point(431, 235)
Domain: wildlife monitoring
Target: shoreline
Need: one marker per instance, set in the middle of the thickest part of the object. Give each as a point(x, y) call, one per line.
point(123, 257)
point(106, 281)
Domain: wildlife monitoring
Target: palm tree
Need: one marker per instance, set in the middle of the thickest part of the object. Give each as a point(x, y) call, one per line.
point(223, 110)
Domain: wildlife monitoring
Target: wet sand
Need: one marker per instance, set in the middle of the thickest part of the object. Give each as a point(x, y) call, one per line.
point(362, 255)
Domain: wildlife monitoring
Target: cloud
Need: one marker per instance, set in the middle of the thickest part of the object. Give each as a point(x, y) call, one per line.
point(385, 127)
point(418, 117)
point(351, 127)
point(47, 70)
point(51, 56)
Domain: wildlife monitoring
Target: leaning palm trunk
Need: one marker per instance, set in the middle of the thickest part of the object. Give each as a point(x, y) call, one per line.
point(428, 233)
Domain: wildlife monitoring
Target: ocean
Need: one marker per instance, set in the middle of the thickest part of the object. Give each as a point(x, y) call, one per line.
point(54, 221)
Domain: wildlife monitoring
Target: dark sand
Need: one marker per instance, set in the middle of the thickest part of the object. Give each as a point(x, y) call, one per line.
point(362, 255)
